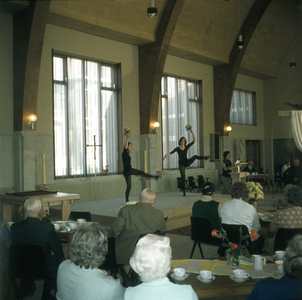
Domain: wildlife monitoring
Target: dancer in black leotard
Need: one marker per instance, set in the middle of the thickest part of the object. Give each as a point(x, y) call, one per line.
point(183, 161)
point(128, 170)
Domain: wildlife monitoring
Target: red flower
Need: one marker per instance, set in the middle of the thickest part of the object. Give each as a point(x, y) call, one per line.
point(253, 234)
point(214, 232)
point(46, 210)
point(273, 197)
point(56, 210)
point(234, 246)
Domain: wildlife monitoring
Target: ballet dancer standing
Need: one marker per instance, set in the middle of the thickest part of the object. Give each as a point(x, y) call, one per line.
point(183, 161)
point(128, 170)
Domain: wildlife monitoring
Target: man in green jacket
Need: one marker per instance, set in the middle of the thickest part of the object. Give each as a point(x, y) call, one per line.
point(134, 220)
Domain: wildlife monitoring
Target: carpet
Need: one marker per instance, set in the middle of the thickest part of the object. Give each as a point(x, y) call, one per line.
point(186, 231)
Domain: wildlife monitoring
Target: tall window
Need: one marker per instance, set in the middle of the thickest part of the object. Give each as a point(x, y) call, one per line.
point(85, 109)
point(180, 106)
point(243, 108)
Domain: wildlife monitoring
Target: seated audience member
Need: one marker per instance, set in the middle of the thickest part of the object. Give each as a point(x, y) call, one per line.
point(250, 168)
point(238, 211)
point(5, 240)
point(294, 174)
point(79, 277)
point(133, 221)
point(290, 217)
point(151, 260)
point(288, 287)
point(206, 207)
point(33, 231)
point(285, 167)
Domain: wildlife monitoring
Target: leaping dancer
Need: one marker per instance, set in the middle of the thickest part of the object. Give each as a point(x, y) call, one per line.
point(128, 170)
point(183, 161)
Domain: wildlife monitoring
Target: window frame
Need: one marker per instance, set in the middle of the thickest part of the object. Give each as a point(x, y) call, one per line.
point(254, 107)
point(116, 89)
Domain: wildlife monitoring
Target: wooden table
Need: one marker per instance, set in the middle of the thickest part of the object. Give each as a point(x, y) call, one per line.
point(222, 286)
point(267, 176)
point(48, 200)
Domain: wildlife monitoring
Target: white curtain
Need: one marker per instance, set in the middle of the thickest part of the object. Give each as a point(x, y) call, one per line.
point(297, 128)
point(75, 116)
point(242, 108)
point(177, 112)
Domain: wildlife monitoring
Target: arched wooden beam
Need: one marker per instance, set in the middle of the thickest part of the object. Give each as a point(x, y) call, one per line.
point(28, 37)
point(225, 75)
point(152, 58)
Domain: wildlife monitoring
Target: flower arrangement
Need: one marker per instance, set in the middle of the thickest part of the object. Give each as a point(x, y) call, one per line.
point(233, 250)
point(188, 127)
point(255, 191)
point(106, 170)
point(126, 130)
point(49, 217)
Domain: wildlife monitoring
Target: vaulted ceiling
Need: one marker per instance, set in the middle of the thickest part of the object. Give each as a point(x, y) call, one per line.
point(205, 32)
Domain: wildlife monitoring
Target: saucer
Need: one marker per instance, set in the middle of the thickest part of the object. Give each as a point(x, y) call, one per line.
point(276, 258)
point(180, 278)
point(205, 281)
point(238, 279)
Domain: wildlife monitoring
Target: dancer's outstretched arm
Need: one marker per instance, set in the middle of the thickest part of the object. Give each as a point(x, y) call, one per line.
point(127, 139)
point(168, 154)
point(194, 139)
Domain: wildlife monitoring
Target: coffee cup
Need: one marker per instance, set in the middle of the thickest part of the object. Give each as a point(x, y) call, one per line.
point(57, 226)
point(81, 221)
point(73, 225)
point(205, 275)
point(240, 274)
point(259, 262)
point(179, 272)
point(279, 263)
point(279, 254)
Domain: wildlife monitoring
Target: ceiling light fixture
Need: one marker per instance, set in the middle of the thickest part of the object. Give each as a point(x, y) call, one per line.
point(152, 11)
point(293, 63)
point(240, 43)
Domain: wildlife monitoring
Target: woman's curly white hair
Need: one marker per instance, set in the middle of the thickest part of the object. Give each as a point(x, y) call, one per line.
point(151, 259)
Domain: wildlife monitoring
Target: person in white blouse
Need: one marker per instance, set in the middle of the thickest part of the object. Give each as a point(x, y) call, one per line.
point(285, 167)
point(238, 211)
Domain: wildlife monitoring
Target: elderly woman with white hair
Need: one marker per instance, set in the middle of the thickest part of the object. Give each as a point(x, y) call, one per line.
point(289, 286)
point(79, 277)
point(151, 260)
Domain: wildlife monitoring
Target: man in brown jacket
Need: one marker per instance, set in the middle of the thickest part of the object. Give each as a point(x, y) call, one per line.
point(134, 220)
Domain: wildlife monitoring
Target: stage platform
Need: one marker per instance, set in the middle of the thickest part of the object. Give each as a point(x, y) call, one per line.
point(173, 204)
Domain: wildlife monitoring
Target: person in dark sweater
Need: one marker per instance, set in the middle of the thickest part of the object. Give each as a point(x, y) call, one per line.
point(294, 174)
point(128, 170)
point(183, 161)
point(206, 207)
point(33, 231)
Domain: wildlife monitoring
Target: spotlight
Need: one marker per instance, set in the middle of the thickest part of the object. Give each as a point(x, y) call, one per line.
point(152, 11)
point(240, 43)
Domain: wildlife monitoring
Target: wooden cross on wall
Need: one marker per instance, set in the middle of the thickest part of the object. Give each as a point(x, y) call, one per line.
point(94, 145)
